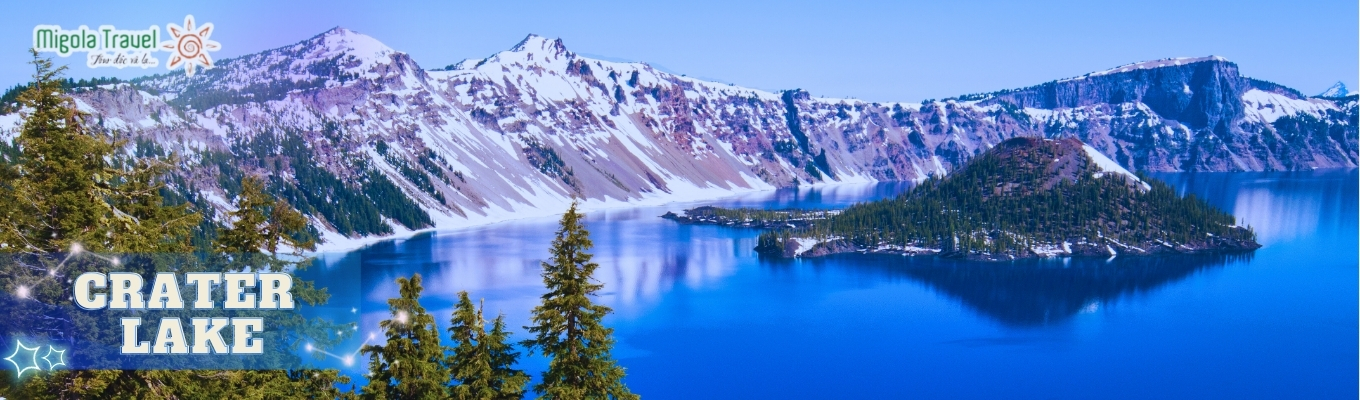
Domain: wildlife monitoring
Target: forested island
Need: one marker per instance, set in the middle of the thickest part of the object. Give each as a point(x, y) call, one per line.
point(1026, 197)
point(749, 217)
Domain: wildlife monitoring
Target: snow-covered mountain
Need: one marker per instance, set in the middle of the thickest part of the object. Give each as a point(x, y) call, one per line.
point(1338, 89)
point(370, 144)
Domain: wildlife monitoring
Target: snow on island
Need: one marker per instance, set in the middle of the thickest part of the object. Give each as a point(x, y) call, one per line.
point(1107, 165)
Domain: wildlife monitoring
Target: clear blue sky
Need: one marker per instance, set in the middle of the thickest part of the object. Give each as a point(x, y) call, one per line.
point(879, 51)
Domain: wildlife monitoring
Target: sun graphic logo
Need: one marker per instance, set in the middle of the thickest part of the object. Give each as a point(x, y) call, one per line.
point(190, 45)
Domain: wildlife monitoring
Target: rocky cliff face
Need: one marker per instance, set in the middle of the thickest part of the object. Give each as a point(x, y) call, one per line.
point(1193, 114)
point(369, 143)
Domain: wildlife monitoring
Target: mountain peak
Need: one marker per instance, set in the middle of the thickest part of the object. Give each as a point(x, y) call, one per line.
point(535, 43)
point(533, 49)
point(1337, 90)
point(337, 30)
point(343, 40)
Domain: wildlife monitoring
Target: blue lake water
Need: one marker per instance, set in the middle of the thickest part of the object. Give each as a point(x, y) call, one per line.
point(699, 315)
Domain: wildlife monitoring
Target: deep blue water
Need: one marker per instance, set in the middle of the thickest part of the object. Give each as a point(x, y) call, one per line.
point(699, 315)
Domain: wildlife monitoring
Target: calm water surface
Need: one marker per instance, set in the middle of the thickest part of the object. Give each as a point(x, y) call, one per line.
point(699, 315)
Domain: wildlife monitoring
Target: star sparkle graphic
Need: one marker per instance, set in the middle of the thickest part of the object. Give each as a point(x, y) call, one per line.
point(190, 45)
point(54, 357)
point(347, 358)
point(28, 359)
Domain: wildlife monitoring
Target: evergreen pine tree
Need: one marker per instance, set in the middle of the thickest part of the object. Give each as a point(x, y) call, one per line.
point(62, 171)
point(262, 223)
point(148, 224)
point(411, 364)
point(482, 362)
point(568, 327)
point(64, 184)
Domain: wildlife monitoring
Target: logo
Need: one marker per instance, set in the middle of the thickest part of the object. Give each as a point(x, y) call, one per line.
point(190, 46)
point(109, 46)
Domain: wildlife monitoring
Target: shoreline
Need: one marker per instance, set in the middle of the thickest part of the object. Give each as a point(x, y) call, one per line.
point(793, 248)
point(338, 244)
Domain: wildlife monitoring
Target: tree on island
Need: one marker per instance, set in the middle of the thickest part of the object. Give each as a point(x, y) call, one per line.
point(567, 325)
point(482, 362)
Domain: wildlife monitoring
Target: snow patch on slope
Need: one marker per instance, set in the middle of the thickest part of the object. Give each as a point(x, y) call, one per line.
point(1266, 107)
point(10, 125)
point(1107, 165)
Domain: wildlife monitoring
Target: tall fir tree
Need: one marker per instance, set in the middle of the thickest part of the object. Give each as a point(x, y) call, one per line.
point(568, 326)
point(60, 194)
point(482, 362)
point(149, 225)
point(410, 365)
point(263, 223)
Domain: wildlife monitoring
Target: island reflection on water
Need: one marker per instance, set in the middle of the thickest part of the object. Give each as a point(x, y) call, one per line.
point(1040, 292)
